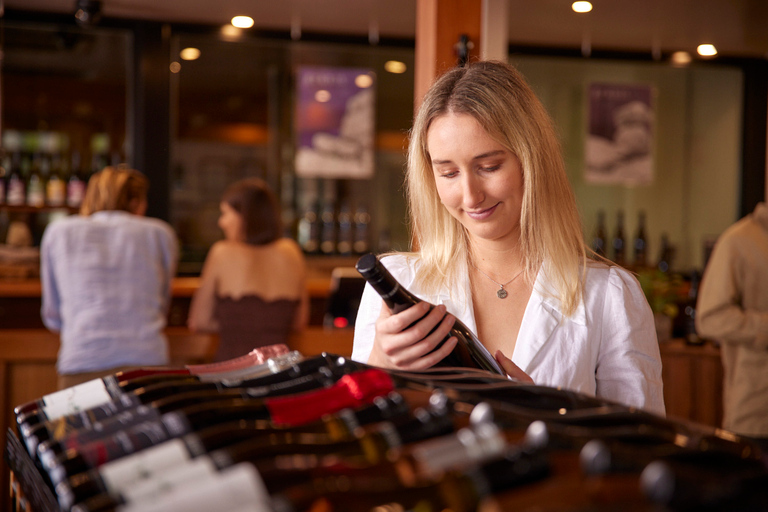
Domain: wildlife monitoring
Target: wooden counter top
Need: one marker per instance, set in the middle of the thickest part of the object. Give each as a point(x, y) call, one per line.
point(318, 287)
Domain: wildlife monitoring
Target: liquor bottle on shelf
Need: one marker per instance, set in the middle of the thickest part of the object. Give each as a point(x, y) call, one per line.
point(352, 390)
point(618, 243)
point(15, 194)
point(328, 229)
point(640, 243)
point(469, 351)
point(76, 183)
point(666, 253)
point(56, 187)
point(345, 234)
point(36, 182)
point(362, 220)
point(689, 311)
point(599, 242)
point(5, 169)
point(308, 235)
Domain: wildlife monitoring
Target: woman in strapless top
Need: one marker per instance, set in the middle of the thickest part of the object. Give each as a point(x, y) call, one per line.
point(253, 285)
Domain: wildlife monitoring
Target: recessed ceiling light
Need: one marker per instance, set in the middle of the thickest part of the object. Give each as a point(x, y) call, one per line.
point(242, 22)
point(706, 50)
point(681, 58)
point(581, 6)
point(363, 81)
point(395, 66)
point(189, 54)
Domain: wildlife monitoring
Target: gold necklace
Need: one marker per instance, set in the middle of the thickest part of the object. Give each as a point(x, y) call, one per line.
point(501, 292)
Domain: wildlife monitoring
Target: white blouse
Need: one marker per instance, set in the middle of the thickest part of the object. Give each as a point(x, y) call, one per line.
point(607, 348)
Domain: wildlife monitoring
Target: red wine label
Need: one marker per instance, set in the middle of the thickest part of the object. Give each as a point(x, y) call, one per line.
point(75, 399)
point(121, 475)
point(352, 390)
point(231, 489)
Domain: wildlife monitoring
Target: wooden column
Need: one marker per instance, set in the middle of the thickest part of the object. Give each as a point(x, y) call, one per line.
point(439, 26)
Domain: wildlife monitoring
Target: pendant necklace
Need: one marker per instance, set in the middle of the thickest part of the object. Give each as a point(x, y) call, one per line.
point(501, 292)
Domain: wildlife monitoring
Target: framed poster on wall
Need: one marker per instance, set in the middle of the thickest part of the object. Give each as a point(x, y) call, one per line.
point(619, 142)
point(335, 122)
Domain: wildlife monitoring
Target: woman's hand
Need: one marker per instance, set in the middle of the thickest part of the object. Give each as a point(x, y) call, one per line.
point(512, 369)
point(398, 344)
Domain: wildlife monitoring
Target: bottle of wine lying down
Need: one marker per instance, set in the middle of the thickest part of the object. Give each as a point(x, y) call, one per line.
point(469, 351)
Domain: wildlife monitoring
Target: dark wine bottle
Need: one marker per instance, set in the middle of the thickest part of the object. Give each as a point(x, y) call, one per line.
point(162, 398)
point(599, 242)
point(114, 396)
point(94, 392)
point(469, 351)
point(352, 390)
point(123, 475)
point(640, 243)
point(619, 241)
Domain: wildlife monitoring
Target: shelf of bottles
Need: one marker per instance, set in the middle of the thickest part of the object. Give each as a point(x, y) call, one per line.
point(283, 432)
point(40, 172)
point(670, 293)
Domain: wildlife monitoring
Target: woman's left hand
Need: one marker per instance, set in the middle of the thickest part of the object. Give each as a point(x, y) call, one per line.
point(512, 369)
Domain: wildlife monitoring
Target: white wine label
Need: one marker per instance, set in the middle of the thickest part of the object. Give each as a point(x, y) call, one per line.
point(165, 481)
point(230, 489)
point(126, 472)
point(75, 399)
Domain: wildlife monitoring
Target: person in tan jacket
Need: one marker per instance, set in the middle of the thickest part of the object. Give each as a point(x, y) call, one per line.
point(732, 309)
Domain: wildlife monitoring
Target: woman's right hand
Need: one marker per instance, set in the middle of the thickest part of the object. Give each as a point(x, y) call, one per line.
point(398, 344)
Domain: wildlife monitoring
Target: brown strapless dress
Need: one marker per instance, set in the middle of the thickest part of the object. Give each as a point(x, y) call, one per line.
point(250, 322)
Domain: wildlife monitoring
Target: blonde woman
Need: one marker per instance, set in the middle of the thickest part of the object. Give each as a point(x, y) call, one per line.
point(106, 280)
point(253, 286)
point(500, 246)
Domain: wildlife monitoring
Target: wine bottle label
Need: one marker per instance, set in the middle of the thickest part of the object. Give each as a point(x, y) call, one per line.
point(75, 399)
point(231, 489)
point(126, 442)
point(75, 192)
point(15, 194)
point(122, 474)
point(120, 421)
point(65, 425)
point(165, 481)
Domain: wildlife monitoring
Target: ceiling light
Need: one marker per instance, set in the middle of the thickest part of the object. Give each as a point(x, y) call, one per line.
point(706, 50)
point(581, 6)
point(175, 67)
point(363, 81)
point(395, 66)
point(189, 54)
point(242, 22)
point(681, 58)
point(322, 96)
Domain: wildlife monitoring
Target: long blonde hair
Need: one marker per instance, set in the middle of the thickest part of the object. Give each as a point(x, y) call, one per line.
point(114, 188)
point(499, 98)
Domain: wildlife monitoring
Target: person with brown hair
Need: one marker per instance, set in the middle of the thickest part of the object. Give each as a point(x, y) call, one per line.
point(500, 246)
point(106, 280)
point(253, 284)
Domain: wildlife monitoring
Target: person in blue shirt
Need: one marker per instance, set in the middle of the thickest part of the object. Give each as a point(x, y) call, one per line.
point(106, 280)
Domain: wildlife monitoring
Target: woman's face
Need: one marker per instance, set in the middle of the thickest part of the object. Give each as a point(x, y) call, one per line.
point(479, 182)
point(231, 223)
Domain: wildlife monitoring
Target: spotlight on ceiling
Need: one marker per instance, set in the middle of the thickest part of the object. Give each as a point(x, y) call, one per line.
point(87, 12)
